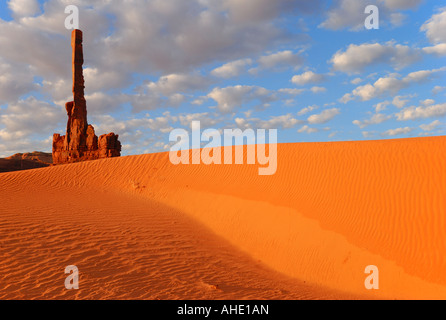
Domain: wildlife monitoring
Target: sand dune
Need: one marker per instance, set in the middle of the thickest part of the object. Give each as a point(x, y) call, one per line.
point(140, 227)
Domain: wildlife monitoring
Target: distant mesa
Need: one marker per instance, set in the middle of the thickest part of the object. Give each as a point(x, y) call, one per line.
point(38, 156)
point(80, 142)
point(26, 161)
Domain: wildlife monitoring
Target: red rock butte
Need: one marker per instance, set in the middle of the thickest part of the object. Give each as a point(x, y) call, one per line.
point(80, 142)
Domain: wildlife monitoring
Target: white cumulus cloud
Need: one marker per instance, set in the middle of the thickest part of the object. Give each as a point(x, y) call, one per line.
point(307, 77)
point(23, 8)
point(231, 69)
point(397, 131)
point(324, 116)
point(422, 112)
point(358, 57)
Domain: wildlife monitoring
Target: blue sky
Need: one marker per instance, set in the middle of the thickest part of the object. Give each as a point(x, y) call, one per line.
point(309, 69)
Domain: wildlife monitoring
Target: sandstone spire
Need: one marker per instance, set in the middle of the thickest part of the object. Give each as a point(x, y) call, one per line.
point(80, 142)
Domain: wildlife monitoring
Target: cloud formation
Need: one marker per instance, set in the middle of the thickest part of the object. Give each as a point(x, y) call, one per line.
point(434, 29)
point(349, 14)
point(377, 118)
point(422, 112)
point(431, 126)
point(230, 98)
point(307, 77)
point(324, 117)
point(358, 57)
point(215, 61)
point(390, 84)
point(231, 69)
point(23, 8)
point(397, 131)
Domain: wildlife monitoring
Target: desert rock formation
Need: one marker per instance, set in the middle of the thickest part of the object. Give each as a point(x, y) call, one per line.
point(80, 142)
point(26, 161)
point(37, 156)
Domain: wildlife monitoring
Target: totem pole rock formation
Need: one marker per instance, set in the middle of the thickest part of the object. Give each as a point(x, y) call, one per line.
point(80, 142)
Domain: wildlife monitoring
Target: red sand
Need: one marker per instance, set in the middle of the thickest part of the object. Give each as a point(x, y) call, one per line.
point(140, 227)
